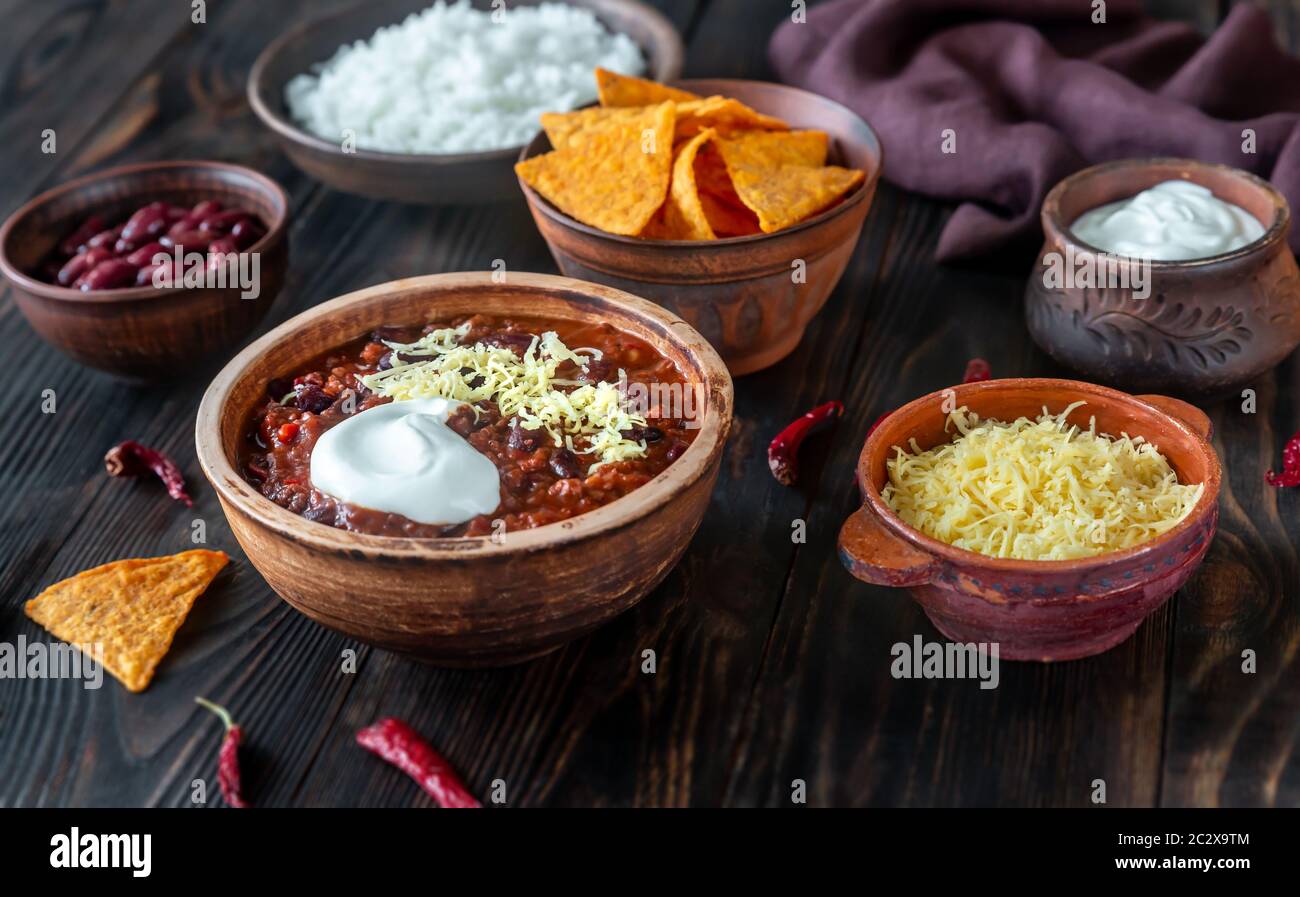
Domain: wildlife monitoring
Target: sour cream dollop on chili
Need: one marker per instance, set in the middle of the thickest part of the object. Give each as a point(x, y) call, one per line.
point(1172, 221)
point(402, 458)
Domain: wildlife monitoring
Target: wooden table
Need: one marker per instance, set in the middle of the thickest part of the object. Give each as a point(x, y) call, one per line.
point(772, 662)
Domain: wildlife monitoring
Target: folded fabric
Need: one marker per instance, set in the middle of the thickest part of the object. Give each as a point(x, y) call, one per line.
point(1028, 91)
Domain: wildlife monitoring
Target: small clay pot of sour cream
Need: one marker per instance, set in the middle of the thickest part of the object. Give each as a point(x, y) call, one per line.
point(1200, 327)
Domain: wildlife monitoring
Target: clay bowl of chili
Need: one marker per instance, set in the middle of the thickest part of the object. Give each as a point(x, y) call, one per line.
point(742, 293)
point(145, 333)
point(466, 601)
point(1035, 610)
point(433, 179)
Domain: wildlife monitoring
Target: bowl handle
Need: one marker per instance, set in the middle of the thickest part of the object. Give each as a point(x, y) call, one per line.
point(873, 554)
point(1186, 412)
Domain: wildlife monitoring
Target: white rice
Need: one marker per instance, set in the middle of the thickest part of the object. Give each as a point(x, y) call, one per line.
point(450, 79)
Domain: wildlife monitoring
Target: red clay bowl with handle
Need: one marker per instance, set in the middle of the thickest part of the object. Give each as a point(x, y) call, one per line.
point(740, 292)
point(144, 333)
point(1035, 610)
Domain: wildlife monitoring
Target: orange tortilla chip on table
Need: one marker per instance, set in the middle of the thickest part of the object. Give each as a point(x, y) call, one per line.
point(130, 608)
point(624, 90)
point(682, 216)
point(772, 177)
point(615, 177)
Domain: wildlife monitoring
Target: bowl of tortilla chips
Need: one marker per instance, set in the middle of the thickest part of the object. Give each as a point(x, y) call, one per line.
point(736, 204)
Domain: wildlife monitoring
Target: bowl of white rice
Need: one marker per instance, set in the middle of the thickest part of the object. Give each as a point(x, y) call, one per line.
point(431, 102)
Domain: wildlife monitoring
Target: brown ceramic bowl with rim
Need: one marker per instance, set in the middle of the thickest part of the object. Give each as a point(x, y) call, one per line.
point(739, 292)
point(143, 333)
point(1035, 610)
point(434, 179)
point(466, 601)
point(1201, 327)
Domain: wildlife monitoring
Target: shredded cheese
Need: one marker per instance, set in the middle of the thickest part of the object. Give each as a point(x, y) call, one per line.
point(1037, 489)
point(586, 418)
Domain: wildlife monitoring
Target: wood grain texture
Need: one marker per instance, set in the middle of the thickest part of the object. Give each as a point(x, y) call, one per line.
point(772, 661)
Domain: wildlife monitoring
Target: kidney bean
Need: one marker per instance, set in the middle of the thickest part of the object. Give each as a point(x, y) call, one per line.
point(221, 222)
point(564, 464)
point(220, 252)
point(144, 276)
point(192, 240)
point(80, 264)
point(516, 342)
point(675, 450)
point(176, 213)
point(76, 241)
point(107, 275)
point(223, 245)
point(204, 209)
point(147, 221)
point(522, 439)
point(246, 232)
point(144, 255)
point(312, 398)
point(104, 238)
point(649, 434)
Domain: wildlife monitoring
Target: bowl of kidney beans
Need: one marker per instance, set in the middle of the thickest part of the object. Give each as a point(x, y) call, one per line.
point(96, 256)
point(93, 263)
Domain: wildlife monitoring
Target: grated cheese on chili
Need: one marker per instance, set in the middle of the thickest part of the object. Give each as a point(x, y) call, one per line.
point(586, 418)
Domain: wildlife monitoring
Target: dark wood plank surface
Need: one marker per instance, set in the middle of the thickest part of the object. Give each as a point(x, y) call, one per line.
point(772, 662)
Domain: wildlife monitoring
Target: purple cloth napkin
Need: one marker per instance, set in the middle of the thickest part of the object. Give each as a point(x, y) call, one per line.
point(1035, 90)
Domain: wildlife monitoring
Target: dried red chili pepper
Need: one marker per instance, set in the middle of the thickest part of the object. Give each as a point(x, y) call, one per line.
point(399, 744)
point(228, 757)
point(977, 370)
point(783, 451)
point(131, 459)
point(1290, 475)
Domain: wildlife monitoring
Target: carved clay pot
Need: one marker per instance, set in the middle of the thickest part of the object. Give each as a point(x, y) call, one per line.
point(1201, 327)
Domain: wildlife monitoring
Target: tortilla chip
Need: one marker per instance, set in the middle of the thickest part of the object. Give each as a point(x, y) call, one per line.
point(682, 217)
point(772, 176)
point(711, 174)
point(615, 177)
point(131, 607)
point(561, 127)
point(624, 90)
point(728, 220)
point(723, 114)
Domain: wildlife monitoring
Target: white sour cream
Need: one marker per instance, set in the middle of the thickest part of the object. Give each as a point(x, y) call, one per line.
point(1172, 221)
point(403, 458)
